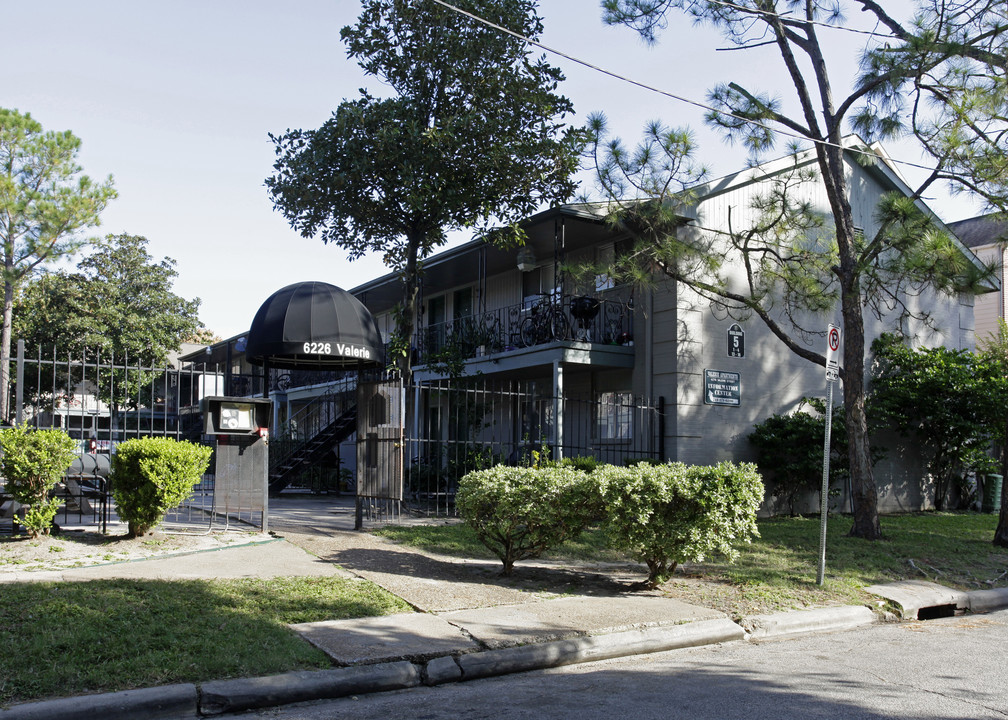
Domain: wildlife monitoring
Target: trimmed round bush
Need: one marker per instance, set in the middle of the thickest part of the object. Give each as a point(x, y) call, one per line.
point(150, 476)
point(521, 512)
point(33, 462)
point(664, 515)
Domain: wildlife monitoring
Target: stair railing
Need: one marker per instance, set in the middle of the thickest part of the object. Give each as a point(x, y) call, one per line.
point(292, 436)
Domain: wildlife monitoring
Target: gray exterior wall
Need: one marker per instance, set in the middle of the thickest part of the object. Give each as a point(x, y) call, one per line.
point(691, 337)
point(678, 336)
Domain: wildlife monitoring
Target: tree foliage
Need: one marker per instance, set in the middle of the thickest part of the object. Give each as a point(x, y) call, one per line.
point(118, 305)
point(789, 451)
point(943, 79)
point(45, 206)
point(473, 132)
point(793, 261)
point(951, 402)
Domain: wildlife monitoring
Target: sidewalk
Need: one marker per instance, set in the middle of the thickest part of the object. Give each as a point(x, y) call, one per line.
point(470, 624)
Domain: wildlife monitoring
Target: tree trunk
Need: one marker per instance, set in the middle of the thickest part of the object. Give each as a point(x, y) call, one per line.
point(5, 350)
point(406, 325)
point(1001, 533)
point(865, 496)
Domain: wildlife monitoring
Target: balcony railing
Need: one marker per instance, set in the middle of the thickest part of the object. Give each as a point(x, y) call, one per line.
point(549, 319)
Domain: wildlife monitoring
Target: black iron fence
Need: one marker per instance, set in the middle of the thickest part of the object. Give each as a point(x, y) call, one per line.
point(101, 400)
point(435, 431)
point(454, 427)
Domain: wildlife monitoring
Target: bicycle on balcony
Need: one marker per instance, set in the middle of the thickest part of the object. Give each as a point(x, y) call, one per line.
point(545, 323)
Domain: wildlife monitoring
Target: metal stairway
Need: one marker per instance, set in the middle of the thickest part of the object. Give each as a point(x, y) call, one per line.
point(311, 434)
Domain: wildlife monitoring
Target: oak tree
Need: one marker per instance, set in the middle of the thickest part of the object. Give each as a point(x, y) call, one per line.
point(471, 134)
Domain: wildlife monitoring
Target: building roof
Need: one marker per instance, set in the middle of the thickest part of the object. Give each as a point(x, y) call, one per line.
point(981, 230)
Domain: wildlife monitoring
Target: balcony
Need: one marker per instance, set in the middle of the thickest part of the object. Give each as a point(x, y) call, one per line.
point(570, 322)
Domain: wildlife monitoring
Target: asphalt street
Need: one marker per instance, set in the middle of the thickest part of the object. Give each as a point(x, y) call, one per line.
point(945, 668)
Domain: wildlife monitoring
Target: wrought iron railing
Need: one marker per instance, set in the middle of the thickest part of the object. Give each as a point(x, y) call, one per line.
point(304, 426)
point(548, 319)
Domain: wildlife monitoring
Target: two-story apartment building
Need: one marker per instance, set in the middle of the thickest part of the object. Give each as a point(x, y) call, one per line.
point(515, 315)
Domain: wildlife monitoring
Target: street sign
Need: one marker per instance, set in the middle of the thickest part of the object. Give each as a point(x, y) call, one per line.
point(832, 352)
point(736, 341)
point(832, 373)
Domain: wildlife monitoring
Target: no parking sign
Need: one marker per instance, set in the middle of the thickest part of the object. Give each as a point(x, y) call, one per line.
point(832, 353)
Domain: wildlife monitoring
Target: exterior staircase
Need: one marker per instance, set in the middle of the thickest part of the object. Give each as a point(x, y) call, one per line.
point(311, 434)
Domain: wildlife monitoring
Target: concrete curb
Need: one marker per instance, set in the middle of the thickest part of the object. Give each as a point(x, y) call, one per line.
point(766, 627)
point(987, 600)
point(169, 701)
point(597, 647)
point(232, 696)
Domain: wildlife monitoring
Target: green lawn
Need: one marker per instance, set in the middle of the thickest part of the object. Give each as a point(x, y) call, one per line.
point(778, 570)
point(60, 639)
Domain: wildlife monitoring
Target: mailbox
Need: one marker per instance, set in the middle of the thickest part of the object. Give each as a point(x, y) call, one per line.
point(236, 415)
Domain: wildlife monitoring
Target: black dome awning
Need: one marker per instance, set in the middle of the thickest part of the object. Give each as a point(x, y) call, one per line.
point(314, 325)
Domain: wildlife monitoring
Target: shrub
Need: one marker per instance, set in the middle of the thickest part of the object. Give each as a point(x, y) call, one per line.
point(585, 463)
point(668, 514)
point(949, 402)
point(789, 451)
point(519, 512)
point(150, 476)
point(33, 462)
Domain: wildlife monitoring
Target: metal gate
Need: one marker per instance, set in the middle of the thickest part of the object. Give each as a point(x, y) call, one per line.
point(381, 408)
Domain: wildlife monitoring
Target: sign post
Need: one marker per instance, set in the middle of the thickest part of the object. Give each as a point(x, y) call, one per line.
point(832, 373)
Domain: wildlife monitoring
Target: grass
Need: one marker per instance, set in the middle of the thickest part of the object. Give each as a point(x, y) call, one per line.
point(59, 639)
point(73, 638)
point(778, 570)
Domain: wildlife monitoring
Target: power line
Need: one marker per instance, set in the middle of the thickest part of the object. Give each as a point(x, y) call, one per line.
point(793, 18)
point(673, 96)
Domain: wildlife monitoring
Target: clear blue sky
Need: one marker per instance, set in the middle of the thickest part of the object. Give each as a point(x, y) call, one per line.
point(175, 100)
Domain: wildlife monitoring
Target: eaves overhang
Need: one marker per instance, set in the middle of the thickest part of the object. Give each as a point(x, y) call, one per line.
point(581, 224)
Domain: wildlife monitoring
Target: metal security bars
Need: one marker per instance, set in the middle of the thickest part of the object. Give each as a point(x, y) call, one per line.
point(456, 426)
point(101, 400)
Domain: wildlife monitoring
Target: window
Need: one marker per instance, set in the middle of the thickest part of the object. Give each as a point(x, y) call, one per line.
point(615, 416)
point(462, 303)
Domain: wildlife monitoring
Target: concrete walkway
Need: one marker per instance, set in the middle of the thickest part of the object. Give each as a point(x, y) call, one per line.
point(471, 623)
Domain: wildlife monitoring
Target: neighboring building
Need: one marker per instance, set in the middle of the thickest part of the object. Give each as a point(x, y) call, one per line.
point(987, 236)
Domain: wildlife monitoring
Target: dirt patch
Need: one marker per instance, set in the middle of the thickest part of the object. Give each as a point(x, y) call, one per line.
point(73, 549)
